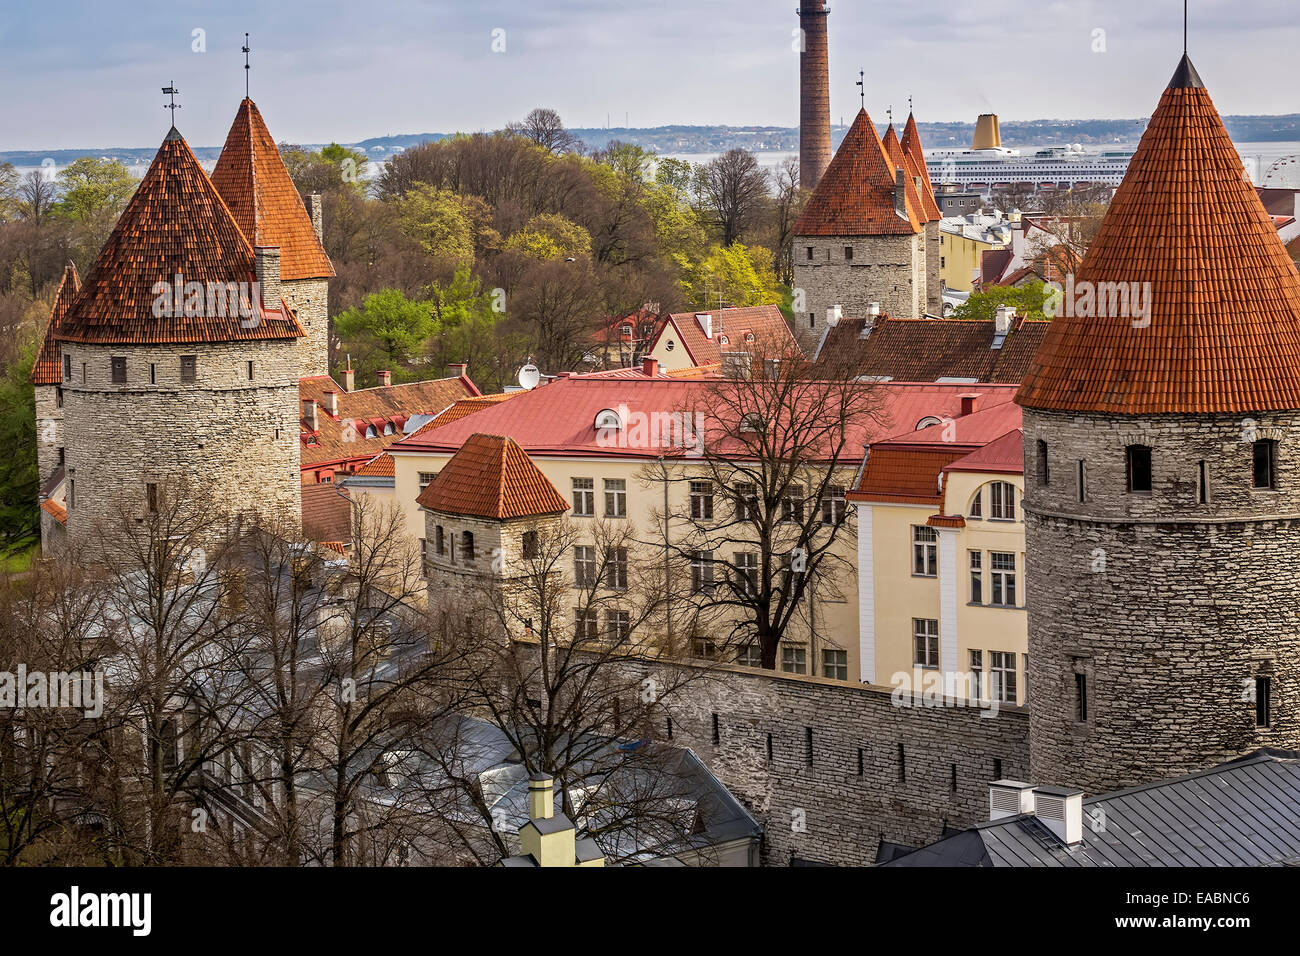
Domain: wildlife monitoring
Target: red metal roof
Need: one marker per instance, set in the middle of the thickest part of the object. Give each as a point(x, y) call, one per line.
point(1224, 322)
point(175, 224)
point(855, 196)
point(48, 369)
point(252, 179)
point(1005, 454)
point(491, 477)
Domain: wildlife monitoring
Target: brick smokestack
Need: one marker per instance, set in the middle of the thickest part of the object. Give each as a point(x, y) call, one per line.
point(814, 94)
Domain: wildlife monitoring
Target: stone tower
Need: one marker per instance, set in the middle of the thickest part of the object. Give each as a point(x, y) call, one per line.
point(914, 153)
point(1162, 472)
point(47, 382)
point(814, 94)
point(179, 361)
point(860, 239)
point(252, 179)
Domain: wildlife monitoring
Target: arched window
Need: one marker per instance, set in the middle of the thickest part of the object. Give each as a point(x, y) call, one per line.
point(1041, 466)
point(1002, 501)
point(1137, 469)
point(370, 432)
point(607, 418)
point(388, 428)
point(928, 421)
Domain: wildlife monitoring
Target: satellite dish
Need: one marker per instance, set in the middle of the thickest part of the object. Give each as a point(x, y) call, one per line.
point(529, 376)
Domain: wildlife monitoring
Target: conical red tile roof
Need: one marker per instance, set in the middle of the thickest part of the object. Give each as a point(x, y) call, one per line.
point(48, 369)
point(492, 477)
point(915, 154)
point(856, 194)
point(252, 179)
point(175, 224)
point(898, 160)
point(1224, 332)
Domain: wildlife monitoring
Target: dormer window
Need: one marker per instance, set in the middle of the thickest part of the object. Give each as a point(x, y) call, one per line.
point(724, 340)
point(749, 338)
point(609, 419)
point(928, 421)
point(370, 432)
point(388, 428)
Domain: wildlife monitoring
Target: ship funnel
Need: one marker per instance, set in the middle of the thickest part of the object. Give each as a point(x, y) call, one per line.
point(987, 134)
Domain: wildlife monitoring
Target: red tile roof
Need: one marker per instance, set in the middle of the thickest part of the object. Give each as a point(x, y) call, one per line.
point(326, 513)
point(898, 160)
point(946, 521)
point(904, 475)
point(175, 223)
point(1224, 332)
point(48, 369)
point(925, 350)
point(491, 477)
point(342, 438)
point(466, 406)
point(913, 150)
point(855, 196)
point(769, 330)
point(381, 466)
point(252, 179)
point(55, 510)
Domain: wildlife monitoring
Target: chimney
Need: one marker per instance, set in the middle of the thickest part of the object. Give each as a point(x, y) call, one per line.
point(309, 414)
point(1010, 798)
point(332, 402)
point(317, 216)
point(457, 369)
point(349, 380)
point(266, 263)
point(541, 797)
point(968, 404)
point(900, 193)
point(705, 321)
point(987, 133)
point(834, 314)
point(873, 310)
point(1002, 324)
point(814, 93)
point(650, 366)
point(1061, 811)
point(385, 379)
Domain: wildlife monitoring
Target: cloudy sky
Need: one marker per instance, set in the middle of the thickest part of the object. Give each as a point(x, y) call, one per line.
point(84, 73)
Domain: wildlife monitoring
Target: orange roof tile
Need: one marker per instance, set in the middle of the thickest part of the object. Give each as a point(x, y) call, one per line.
point(946, 521)
point(381, 466)
point(913, 150)
point(252, 179)
point(48, 369)
point(175, 224)
point(905, 475)
point(492, 477)
point(326, 513)
point(855, 196)
point(1224, 320)
point(55, 510)
point(898, 160)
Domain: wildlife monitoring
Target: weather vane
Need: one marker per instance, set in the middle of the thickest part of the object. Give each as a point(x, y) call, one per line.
point(862, 87)
point(890, 113)
point(171, 91)
point(909, 102)
point(245, 49)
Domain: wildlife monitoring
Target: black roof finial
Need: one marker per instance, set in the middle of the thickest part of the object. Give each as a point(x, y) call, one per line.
point(245, 50)
point(171, 91)
point(862, 87)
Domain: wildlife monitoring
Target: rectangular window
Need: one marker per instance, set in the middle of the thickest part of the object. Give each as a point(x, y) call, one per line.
point(1137, 468)
point(1081, 697)
point(792, 505)
point(58, 398)
point(703, 648)
point(1265, 461)
point(1002, 566)
point(1024, 667)
point(584, 497)
point(467, 546)
point(250, 371)
point(746, 501)
point(616, 569)
point(1002, 676)
point(119, 369)
point(746, 565)
point(1082, 481)
point(1263, 701)
point(925, 637)
point(615, 498)
point(618, 626)
point(977, 674)
point(439, 540)
point(586, 624)
point(751, 655)
point(426, 478)
point(189, 368)
point(833, 505)
point(976, 577)
point(1202, 483)
point(67, 367)
point(1002, 501)
point(701, 571)
point(72, 493)
point(925, 551)
point(848, 253)
point(151, 497)
point(702, 500)
point(794, 660)
point(810, 253)
point(584, 566)
point(835, 665)
point(153, 374)
point(529, 544)
point(83, 373)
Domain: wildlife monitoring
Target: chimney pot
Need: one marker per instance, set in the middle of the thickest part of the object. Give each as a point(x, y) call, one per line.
point(1002, 324)
point(266, 265)
point(834, 314)
point(349, 380)
point(385, 379)
point(873, 309)
point(541, 797)
point(650, 366)
point(456, 369)
point(315, 210)
point(332, 402)
point(309, 414)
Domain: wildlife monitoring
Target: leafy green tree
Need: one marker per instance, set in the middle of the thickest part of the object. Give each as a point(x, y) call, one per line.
point(1027, 299)
point(329, 169)
point(551, 236)
point(738, 275)
point(93, 189)
point(440, 221)
point(387, 331)
point(19, 476)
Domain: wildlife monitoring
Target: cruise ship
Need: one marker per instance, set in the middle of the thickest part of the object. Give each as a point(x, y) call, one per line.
point(988, 165)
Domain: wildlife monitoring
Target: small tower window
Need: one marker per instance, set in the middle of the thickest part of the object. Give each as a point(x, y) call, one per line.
point(848, 253)
point(119, 369)
point(1044, 476)
point(439, 540)
point(810, 253)
point(1081, 697)
point(189, 368)
point(1083, 481)
point(1263, 692)
point(67, 367)
point(250, 371)
point(530, 548)
point(1265, 459)
point(467, 546)
point(151, 497)
point(1202, 482)
point(1137, 466)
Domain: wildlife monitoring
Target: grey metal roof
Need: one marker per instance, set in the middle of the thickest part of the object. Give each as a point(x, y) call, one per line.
point(1242, 813)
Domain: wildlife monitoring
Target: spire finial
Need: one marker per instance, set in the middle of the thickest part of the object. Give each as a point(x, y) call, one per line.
point(909, 103)
point(245, 49)
point(890, 113)
point(171, 91)
point(1184, 27)
point(862, 87)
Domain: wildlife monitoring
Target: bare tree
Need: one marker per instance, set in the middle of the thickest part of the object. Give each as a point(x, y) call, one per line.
point(36, 196)
point(787, 204)
point(545, 128)
point(731, 190)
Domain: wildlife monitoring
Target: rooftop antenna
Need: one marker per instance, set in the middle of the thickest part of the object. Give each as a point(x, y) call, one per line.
point(862, 87)
point(171, 91)
point(245, 49)
point(1184, 27)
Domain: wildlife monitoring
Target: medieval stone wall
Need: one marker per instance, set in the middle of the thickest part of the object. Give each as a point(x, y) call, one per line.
point(309, 299)
point(233, 437)
point(49, 430)
point(933, 259)
point(1168, 607)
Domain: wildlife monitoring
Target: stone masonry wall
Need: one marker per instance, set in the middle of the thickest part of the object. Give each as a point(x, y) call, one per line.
point(1170, 608)
point(236, 439)
point(933, 259)
point(49, 430)
point(309, 299)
